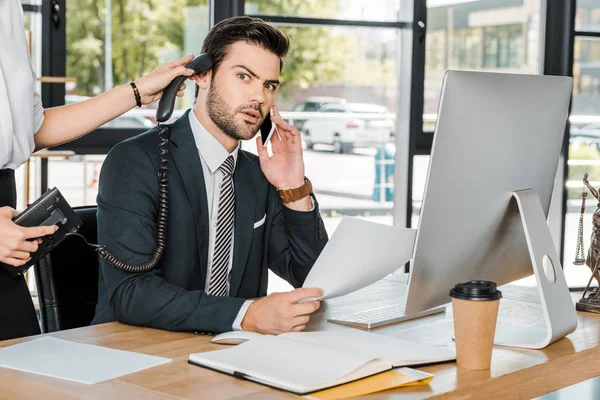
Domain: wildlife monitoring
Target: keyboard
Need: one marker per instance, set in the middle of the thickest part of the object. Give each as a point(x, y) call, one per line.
point(381, 316)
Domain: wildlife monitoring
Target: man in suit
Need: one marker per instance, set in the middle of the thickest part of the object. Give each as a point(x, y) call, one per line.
point(232, 215)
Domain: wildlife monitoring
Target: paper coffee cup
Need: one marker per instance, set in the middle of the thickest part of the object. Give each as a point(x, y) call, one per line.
point(475, 309)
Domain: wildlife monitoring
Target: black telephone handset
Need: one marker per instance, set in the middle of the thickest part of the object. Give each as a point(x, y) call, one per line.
point(200, 64)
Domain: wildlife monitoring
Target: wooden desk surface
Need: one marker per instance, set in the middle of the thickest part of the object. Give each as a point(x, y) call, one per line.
point(515, 373)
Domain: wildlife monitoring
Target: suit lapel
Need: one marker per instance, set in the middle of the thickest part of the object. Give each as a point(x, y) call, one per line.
point(187, 160)
point(245, 203)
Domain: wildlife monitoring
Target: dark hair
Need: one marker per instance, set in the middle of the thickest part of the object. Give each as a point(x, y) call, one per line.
point(247, 29)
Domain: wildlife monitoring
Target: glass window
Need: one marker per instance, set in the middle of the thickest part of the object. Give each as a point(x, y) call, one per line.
point(499, 35)
point(144, 35)
point(502, 46)
point(435, 50)
point(327, 66)
point(586, 77)
point(357, 10)
point(465, 49)
point(584, 153)
point(349, 156)
point(587, 17)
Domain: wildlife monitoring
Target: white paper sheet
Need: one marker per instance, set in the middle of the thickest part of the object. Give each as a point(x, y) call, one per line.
point(73, 361)
point(399, 352)
point(358, 254)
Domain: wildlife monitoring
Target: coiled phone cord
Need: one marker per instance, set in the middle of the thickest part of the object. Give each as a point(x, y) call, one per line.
point(164, 134)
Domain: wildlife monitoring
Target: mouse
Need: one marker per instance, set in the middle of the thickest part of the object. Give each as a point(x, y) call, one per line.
point(234, 337)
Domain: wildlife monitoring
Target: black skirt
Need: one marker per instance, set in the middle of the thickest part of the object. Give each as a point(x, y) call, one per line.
point(17, 314)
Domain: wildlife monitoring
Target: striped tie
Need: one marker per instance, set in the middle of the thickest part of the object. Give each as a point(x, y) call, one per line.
point(219, 270)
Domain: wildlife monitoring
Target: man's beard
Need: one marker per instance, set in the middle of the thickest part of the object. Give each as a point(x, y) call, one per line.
point(224, 118)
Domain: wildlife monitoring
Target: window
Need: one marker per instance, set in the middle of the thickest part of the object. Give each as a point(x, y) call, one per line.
point(503, 47)
point(586, 76)
point(478, 35)
point(584, 152)
point(484, 35)
point(587, 17)
point(465, 49)
point(357, 10)
point(143, 35)
point(435, 50)
point(340, 80)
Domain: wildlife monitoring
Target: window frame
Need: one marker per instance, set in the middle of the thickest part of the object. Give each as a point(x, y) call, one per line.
point(557, 60)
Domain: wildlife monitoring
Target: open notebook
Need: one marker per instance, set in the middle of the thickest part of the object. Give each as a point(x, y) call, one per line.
point(305, 362)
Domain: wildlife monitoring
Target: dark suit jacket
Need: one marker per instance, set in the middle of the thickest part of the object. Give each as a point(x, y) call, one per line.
point(172, 296)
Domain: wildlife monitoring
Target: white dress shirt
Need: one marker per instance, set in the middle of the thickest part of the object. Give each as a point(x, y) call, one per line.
point(21, 111)
point(212, 155)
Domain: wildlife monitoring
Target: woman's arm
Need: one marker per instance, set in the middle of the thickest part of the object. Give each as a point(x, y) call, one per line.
point(66, 123)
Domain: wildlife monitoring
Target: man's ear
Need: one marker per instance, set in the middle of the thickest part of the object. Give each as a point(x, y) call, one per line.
point(203, 80)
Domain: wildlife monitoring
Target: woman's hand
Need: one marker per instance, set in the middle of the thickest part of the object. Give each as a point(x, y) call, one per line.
point(151, 85)
point(15, 249)
point(90, 114)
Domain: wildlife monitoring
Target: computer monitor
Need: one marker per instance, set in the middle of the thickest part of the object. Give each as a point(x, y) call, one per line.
point(495, 134)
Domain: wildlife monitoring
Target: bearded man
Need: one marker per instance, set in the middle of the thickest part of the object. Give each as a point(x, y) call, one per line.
point(232, 215)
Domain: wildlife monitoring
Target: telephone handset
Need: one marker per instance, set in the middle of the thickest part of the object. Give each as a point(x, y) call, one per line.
point(200, 64)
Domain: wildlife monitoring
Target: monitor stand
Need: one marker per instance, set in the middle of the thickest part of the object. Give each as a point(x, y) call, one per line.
point(557, 305)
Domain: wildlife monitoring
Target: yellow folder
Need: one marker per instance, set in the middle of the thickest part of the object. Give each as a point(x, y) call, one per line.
point(395, 378)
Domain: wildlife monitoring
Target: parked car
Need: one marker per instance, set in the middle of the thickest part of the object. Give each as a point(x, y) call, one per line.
point(345, 131)
point(126, 121)
point(312, 104)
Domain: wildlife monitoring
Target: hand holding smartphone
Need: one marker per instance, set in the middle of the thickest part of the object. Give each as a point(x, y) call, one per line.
point(267, 128)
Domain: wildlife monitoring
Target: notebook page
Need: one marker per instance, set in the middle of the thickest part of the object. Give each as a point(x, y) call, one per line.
point(289, 364)
point(399, 352)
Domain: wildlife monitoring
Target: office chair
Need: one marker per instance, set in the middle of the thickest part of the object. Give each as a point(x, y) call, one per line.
point(67, 279)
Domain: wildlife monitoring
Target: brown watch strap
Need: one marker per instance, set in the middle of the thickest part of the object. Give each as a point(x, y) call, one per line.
point(291, 195)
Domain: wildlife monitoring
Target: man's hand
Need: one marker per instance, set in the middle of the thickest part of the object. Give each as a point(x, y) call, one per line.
point(285, 168)
point(280, 312)
point(15, 249)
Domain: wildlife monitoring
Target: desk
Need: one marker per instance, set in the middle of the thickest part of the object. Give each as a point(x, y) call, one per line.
point(514, 372)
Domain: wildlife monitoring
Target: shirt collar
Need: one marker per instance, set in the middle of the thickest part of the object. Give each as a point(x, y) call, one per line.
point(213, 152)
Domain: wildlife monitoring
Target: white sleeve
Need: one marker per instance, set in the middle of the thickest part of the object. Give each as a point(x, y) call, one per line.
point(38, 108)
point(237, 323)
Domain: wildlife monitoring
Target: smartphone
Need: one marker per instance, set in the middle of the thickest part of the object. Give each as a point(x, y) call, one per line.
point(267, 128)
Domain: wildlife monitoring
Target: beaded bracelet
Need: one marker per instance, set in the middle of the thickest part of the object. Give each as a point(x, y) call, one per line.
point(136, 93)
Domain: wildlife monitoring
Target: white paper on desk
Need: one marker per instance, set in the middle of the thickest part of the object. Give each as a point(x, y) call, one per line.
point(78, 362)
point(358, 254)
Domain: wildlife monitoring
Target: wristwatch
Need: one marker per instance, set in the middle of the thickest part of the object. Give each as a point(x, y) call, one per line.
point(291, 195)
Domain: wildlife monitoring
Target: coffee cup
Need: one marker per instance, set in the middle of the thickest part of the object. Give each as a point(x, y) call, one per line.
point(475, 310)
